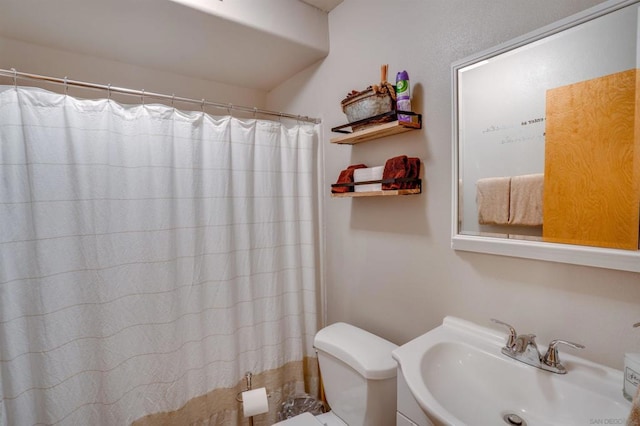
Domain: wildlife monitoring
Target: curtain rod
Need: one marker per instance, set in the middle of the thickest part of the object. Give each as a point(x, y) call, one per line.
point(12, 73)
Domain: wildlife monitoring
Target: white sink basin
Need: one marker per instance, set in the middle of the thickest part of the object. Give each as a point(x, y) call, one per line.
point(458, 376)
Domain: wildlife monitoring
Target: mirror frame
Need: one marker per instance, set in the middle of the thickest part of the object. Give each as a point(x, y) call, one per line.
point(625, 260)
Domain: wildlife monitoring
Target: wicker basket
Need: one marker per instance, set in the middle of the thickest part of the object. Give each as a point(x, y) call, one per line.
point(367, 104)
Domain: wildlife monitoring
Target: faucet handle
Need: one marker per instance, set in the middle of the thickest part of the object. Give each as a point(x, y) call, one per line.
point(511, 340)
point(551, 357)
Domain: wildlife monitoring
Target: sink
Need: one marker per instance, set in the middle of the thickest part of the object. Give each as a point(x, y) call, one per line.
point(458, 376)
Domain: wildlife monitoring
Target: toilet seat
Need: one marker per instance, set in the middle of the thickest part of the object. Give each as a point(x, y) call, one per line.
point(307, 419)
point(304, 419)
point(330, 419)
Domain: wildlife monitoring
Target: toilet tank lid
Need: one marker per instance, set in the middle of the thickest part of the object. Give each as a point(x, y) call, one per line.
point(368, 354)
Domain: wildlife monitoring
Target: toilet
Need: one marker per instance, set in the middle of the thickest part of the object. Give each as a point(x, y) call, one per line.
point(359, 378)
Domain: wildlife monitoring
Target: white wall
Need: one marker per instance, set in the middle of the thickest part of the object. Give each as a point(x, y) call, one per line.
point(34, 59)
point(388, 263)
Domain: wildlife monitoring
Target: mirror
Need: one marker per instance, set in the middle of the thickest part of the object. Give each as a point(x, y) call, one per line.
point(546, 159)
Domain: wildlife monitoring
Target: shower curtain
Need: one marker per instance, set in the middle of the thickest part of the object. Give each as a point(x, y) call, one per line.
point(149, 258)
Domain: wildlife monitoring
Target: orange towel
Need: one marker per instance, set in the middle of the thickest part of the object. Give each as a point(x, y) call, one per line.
point(413, 172)
point(401, 167)
point(394, 168)
point(346, 176)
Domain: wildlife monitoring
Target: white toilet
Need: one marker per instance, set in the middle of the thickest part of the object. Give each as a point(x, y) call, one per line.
point(359, 377)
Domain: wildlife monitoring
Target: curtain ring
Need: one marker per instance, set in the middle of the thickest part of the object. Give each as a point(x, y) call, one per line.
point(109, 92)
point(66, 86)
point(255, 112)
point(280, 117)
point(230, 109)
point(142, 97)
point(173, 98)
point(15, 78)
point(202, 105)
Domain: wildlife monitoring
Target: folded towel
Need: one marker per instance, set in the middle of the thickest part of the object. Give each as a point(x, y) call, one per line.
point(525, 201)
point(401, 167)
point(368, 174)
point(634, 415)
point(346, 176)
point(413, 172)
point(492, 197)
point(395, 168)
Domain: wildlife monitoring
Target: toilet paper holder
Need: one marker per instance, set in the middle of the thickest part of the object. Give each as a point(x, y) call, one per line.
point(239, 394)
point(247, 377)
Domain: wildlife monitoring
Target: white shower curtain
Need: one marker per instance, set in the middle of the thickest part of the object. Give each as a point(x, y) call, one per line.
point(147, 257)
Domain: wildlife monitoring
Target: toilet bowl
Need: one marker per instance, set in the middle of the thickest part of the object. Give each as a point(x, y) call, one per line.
point(359, 378)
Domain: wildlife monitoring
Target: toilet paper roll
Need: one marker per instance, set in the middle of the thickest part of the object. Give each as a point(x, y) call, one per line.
point(255, 402)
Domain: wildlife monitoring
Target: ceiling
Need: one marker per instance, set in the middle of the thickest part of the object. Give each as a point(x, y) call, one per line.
point(325, 5)
point(248, 43)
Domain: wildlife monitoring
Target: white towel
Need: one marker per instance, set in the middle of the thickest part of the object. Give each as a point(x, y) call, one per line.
point(367, 174)
point(525, 202)
point(492, 197)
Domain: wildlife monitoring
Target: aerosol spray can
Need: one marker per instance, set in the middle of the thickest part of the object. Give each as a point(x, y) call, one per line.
point(403, 95)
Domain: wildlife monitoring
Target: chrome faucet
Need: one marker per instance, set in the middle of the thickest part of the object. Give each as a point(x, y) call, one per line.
point(524, 348)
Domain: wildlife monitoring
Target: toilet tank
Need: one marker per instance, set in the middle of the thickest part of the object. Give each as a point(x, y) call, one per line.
point(358, 374)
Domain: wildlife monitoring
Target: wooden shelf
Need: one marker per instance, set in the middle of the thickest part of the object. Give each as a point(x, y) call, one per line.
point(416, 182)
point(377, 131)
point(391, 192)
